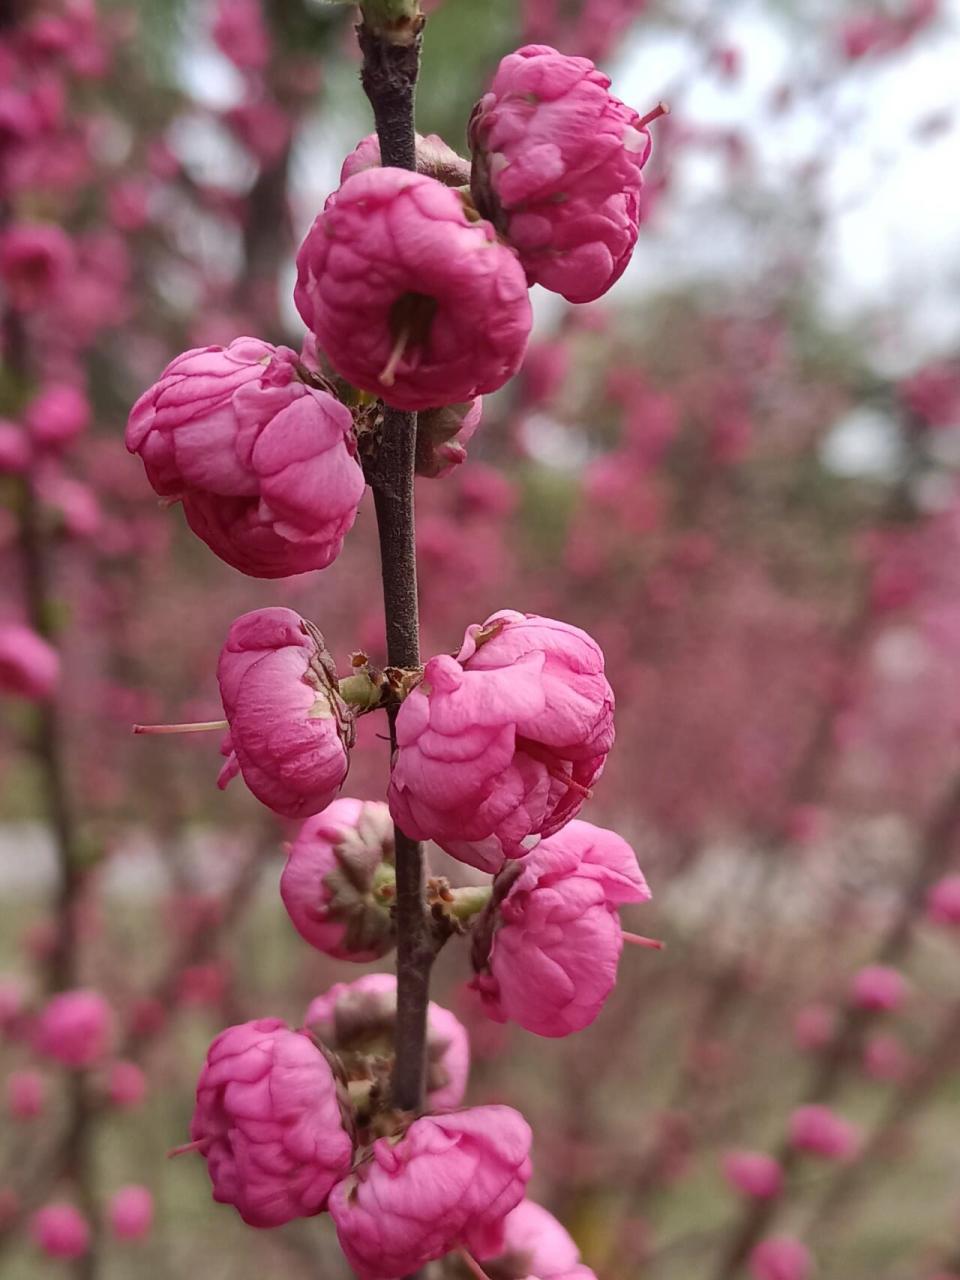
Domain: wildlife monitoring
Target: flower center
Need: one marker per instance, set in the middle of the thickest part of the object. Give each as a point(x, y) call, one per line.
point(410, 319)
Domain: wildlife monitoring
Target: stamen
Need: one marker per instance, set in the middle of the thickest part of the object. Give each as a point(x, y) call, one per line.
point(638, 940)
point(200, 1145)
point(661, 109)
point(473, 1266)
point(201, 726)
point(570, 783)
point(388, 372)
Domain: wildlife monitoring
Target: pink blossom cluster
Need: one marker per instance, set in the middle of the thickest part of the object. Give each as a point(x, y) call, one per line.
point(276, 1125)
point(414, 289)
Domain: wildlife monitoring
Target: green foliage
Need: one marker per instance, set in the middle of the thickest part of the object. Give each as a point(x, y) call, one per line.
point(463, 42)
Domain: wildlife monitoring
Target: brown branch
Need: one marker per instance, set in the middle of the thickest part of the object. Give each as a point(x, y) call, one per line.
point(389, 79)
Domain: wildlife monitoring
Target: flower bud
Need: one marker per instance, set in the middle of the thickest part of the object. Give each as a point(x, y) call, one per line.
point(442, 436)
point(878, 988)
point(29, 665)
point(26, 1094)
point(130, 1212)
point(753, 1174)
point(780, 1258)
point(60, 1231)
point(74, 1028)
point(821, 1132)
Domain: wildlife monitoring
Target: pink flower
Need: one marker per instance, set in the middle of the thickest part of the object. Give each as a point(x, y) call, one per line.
point(60, 1231)
point(290, 731)
point(29, 666)
point(500, 745)
point(35, 259)
point(556, 941)
point(338, 884)
point(753, 1173)
point(264, 464)
point(269, 1123)
point(557, 161)
point(14, 448)
point(535, 1245)
point(943, 901)
point(878, 988)
point(241, 34)
point(130, 1212)
point(780, 1258)
point(126, 1084)
point(359, 1017)
point(26, 1094)
point(821, 1132)
point(409, 298)
point(74, 1028)
point(58, 415)
point(449, 1181)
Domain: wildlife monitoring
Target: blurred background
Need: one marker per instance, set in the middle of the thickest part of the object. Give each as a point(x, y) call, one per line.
point(739, 473)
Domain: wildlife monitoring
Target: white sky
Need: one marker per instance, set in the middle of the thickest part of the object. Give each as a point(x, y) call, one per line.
point(893, 203)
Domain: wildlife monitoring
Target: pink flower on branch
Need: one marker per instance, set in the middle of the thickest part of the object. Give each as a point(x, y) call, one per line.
point(60, 1231)
point(780, 1258)
point(450, 1181)
point(500, 745)
point(290, 731)
point(411, 298)
point(130, 1212)
point(879, 988)
point(821, 1132)
point(556, 167)
point(264, 464)
point(552, 959)
point(269, 1122)
point(753, 1173)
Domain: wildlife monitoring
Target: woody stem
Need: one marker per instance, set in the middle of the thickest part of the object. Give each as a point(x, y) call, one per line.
point(389, 78)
